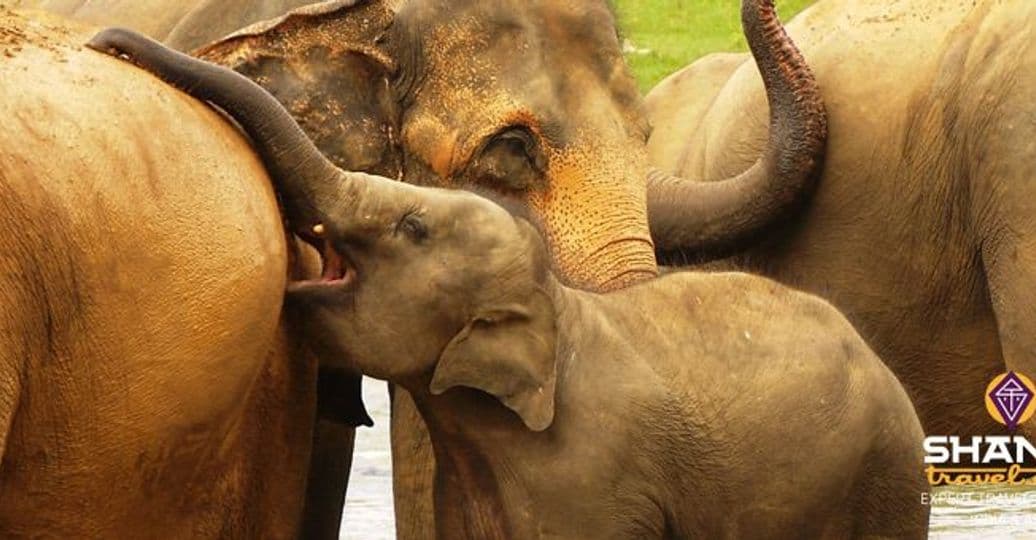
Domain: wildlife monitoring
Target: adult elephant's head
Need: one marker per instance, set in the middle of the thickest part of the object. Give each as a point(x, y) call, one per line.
point(527, 98)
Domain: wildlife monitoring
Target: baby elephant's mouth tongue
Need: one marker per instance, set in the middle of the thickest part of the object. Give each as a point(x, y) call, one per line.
point(337, 270)
point(335, 267)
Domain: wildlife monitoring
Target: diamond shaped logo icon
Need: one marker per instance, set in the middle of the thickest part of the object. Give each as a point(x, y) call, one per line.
point(1011, 397)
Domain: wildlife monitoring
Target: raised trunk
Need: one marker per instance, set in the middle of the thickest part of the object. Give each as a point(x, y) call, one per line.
point(305, 179)
point(704, 219)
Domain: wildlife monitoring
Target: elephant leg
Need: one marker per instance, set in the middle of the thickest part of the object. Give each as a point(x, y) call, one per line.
point(15, 328)
point(11, 370)
point(329, 467)
point(1003, 202)
point(1011, 271)
point(413, 470)
point(1005, 209)
point(339, 410)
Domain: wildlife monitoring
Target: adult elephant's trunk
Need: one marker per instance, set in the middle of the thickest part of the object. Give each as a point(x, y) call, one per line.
point(302, 175)
point(711, 219)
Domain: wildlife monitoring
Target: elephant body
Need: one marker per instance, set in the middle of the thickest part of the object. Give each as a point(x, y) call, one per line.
point(187, 25)
point(694, 406)
point(149, 384)
point(183, 24)
point(923, 226)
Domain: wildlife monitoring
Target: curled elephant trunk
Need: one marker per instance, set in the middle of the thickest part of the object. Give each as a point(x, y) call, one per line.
point(306, 180)
point(712, 219)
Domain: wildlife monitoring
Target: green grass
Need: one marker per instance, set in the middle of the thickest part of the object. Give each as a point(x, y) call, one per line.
point(670, 34)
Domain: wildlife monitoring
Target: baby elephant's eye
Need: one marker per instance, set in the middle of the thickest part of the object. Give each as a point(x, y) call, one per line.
point(413, 226)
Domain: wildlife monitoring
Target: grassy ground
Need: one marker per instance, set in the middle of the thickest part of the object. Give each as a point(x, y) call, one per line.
point(665, 35)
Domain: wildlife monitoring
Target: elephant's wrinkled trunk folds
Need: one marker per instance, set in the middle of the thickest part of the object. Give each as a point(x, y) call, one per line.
point(712, 219)
point(303, 176)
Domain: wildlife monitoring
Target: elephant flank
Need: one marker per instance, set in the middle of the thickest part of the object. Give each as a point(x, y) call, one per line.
point(705, 219)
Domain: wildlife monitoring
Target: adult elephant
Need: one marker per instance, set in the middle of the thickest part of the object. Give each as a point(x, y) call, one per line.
point(149, 384)
point(186, 25)
point(923, 227)
point(530, 100)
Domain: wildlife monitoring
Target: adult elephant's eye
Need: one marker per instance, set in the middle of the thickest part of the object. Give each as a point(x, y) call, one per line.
point(511, 161)
point(413, 226)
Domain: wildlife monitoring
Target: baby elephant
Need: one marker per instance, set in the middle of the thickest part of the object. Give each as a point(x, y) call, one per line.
point(694, 405)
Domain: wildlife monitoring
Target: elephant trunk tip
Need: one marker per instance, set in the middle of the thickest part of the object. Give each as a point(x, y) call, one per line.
point(796, 106)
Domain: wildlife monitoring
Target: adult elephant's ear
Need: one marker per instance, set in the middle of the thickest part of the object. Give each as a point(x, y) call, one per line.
point(330, 65)
point(507, 351)
point(212, 19)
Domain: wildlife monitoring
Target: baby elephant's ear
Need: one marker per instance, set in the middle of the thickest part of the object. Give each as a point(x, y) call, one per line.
point(507, 351)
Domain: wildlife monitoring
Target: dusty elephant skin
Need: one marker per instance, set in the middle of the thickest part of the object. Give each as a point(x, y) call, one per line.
point(526, 99)
point(185, 25)
point(923, 227)
point(182, 24)
point(149, 386)
point(563, 413)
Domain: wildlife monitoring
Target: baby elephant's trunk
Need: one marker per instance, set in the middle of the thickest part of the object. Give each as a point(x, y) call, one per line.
point(305, 179)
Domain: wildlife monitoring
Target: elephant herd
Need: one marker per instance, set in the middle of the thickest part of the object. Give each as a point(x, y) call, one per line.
point(156, 379)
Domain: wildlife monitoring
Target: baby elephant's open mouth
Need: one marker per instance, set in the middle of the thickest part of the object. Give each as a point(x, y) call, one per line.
point(338, 273)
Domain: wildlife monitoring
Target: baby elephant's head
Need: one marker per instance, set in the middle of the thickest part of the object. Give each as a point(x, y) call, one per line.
point(433, 287)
